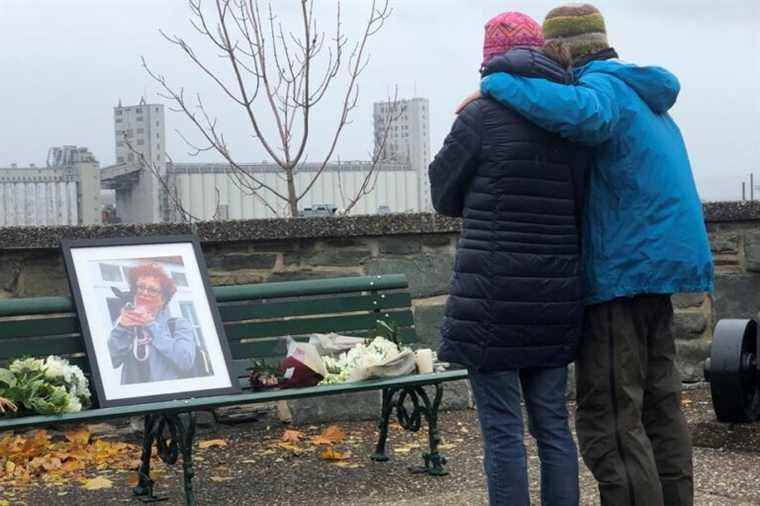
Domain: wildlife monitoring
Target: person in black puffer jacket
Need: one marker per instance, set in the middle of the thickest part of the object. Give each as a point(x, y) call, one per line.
point(514, 312)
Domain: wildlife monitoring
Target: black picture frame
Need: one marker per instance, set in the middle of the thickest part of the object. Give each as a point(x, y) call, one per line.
point(96, 362)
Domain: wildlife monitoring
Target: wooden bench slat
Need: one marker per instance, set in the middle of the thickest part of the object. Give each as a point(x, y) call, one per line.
point(54, 305)
point(55, 326)
point(69, 324)
point(41, 346)
point(300, 326)
point(311, 287)
point(274, 348)
point(229, 400)
point(232, 312)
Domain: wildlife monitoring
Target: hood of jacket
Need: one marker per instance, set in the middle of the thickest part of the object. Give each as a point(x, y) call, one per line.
point(657, 87)
point(527, 61)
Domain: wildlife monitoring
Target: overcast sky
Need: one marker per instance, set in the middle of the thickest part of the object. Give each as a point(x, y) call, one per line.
point(66, 63)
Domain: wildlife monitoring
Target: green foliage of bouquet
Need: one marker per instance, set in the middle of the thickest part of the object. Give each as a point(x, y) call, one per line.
point(45, 387)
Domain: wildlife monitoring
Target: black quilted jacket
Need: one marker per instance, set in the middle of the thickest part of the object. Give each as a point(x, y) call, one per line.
point(515, 298)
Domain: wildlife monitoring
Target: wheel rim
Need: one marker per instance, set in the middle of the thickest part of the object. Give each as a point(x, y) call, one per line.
point(733, 371)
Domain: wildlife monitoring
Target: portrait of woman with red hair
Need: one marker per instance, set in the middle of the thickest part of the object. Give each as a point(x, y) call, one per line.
point(146, 341)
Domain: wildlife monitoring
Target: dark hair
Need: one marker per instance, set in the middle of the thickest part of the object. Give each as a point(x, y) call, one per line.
point(168, 286)
point(558, 52)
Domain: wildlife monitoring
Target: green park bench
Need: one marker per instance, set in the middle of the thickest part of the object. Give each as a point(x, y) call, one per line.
point(255, 317)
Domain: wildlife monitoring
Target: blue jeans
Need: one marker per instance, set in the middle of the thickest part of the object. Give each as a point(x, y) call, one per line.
point(497, 397)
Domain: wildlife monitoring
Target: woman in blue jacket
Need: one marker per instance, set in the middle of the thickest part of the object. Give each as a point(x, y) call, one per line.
point(146, 342)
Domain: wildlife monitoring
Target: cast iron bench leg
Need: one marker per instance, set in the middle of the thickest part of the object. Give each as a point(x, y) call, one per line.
point(435, 463)
point(181, 435)
point(385, 416)
point(186, 422)
point(144, 488)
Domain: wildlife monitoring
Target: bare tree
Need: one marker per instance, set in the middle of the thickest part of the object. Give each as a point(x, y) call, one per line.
point(149, 167)
point(285, 73)
point(379, 156)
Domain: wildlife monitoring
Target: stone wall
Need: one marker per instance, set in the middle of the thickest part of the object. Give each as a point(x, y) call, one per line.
point(422, 246)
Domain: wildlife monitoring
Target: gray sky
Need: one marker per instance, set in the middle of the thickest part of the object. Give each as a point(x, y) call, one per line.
point(66, 63)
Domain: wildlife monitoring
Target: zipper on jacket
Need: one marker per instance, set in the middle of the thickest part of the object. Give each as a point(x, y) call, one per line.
point(613, 395)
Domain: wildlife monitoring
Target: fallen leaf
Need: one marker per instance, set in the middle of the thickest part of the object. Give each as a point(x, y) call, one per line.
point(98, 483)
point(290, 447)
point(221, 478)
point(333, 454)
point(79, 437)
point(3, 502)
point(291, 436)
point(331, 435)
point(212, 443)
point(348, 465)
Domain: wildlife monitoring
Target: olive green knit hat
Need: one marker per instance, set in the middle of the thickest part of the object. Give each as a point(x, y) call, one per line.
point(579, 27)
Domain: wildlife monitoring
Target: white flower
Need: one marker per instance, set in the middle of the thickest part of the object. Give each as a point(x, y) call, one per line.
point(27, 365)
point(73, 405)
point(361, 356)
point(55, 368)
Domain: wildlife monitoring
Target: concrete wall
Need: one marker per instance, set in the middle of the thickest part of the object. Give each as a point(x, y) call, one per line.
point(88, 193)
point(422, 246)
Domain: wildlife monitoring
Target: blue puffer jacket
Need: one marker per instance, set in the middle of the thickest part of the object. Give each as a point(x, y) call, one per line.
point(643, 229)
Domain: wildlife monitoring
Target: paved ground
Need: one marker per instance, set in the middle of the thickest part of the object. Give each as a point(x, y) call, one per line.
point(253, 469)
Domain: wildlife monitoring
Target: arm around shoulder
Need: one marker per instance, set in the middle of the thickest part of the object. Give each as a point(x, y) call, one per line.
point(587, 112)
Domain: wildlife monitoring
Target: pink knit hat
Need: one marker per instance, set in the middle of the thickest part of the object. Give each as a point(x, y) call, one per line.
point(508, 30)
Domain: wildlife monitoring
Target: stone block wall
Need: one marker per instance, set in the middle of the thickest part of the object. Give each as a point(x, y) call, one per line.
point(422, 246)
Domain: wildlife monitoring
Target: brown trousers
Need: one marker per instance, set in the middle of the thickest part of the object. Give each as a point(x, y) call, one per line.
point(632, 432)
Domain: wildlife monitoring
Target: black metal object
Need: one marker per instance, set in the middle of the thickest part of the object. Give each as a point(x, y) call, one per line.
point(733, 371)
point(181, 428)
point(422, 406)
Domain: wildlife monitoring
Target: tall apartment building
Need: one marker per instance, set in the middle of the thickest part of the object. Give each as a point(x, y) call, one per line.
point(140, 136)
point(408, 140)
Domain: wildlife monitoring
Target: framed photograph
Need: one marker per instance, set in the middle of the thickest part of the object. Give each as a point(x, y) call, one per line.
point(149, 319)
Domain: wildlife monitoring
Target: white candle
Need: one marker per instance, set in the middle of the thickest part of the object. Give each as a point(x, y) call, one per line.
point(424, 361)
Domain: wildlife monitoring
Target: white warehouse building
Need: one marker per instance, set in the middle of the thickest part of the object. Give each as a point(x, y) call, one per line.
point(212, 191)
point(65, 192)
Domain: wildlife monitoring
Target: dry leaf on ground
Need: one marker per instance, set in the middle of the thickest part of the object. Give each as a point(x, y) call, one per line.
point(330, 436)
point(348, 465)
point(221, 478)
point(291, 436)
point(333, 454)
point(290, 447)
point(79, 437)
point(98, 483)
point(212, 443)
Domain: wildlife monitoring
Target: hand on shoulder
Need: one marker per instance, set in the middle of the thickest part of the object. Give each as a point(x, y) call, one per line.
point(467, 101)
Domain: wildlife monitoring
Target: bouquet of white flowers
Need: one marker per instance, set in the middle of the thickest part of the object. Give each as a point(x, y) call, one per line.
point(379, 358)
point(46, 387)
